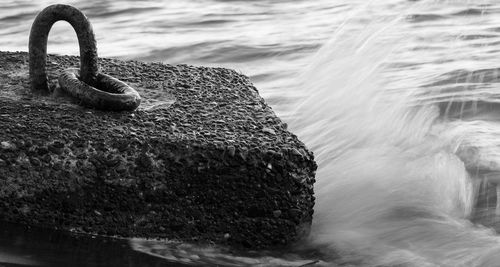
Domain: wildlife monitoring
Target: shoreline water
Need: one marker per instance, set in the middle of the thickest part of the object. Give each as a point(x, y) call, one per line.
point(394, 64)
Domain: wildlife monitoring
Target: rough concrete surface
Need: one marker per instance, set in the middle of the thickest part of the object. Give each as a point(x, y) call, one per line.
point(204, 159)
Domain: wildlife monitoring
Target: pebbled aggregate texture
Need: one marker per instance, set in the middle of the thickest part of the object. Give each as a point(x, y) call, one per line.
point(216, 165)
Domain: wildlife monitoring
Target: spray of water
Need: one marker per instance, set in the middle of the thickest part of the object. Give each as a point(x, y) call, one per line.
point(390, 187)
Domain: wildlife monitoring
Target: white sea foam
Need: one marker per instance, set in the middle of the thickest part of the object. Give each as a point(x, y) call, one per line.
point(392, 186)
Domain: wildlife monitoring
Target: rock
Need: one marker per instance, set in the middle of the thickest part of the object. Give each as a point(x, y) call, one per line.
point(42, 151)
point(144, 161)
point(7, 146)
point(216, 165)
point(277, 213)
point(57, 147)
point(231, 150)
point(149, 124)
point(269, 130)
point(35, 162)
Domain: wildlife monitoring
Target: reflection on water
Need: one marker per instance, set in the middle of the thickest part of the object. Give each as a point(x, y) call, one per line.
point(23, 246)
point(293, 256)
point(27, 246)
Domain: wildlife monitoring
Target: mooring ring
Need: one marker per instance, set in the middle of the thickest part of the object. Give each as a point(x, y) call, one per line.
point(90, 87)
point(108, 94)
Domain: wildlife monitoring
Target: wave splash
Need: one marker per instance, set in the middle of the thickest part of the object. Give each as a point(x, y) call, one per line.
point(392, 187)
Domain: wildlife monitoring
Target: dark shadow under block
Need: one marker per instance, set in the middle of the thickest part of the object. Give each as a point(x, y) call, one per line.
point(204, 159)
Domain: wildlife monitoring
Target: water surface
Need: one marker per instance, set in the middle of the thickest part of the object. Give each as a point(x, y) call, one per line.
point(398, 100)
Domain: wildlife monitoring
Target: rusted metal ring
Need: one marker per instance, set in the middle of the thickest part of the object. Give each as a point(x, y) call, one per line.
point(92, 88)
point(112, 94)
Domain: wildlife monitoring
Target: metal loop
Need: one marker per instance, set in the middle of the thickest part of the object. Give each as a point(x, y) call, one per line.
point(92, 88)
point(112, 94)
point(38, 44)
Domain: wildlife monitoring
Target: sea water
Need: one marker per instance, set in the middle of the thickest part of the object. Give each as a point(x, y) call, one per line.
point(398, 100)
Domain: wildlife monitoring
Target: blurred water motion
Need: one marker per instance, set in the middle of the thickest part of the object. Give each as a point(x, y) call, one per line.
point(398, 99)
